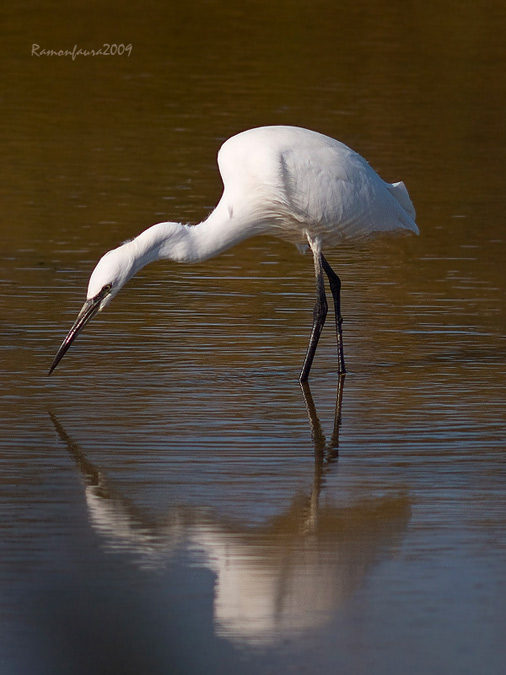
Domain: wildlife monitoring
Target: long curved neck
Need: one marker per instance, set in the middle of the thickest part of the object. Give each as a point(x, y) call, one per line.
point(194, 243)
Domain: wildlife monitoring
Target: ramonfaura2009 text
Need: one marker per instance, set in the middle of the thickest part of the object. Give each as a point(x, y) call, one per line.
point(105, 50)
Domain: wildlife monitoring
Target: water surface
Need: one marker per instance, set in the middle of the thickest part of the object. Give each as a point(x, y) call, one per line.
point(172, 501)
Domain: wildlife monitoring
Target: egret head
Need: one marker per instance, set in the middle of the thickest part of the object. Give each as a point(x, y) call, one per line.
point(112, 272)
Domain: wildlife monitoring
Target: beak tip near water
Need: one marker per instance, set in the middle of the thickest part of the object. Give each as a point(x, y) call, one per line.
point(57, 359)
point(88, 311)
point(64, 347)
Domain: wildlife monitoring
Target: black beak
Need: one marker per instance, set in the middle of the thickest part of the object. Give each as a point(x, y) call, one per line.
point(88, 311)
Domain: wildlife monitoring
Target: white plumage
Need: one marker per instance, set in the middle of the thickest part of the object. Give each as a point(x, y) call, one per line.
point(289, 182)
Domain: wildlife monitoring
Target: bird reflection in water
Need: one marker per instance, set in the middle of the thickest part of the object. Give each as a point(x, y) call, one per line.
point(278, 580)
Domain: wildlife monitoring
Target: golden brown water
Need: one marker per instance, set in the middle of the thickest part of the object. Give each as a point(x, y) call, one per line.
point(171, 501)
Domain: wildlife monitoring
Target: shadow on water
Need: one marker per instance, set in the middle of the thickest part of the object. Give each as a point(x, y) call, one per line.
point(280, 579)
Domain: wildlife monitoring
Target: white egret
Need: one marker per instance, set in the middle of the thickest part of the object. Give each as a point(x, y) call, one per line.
point(289, 182)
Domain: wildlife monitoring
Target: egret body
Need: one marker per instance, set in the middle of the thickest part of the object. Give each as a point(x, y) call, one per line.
point(289, 182)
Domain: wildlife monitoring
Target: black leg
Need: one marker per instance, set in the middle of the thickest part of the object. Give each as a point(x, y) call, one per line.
point(319, 316)
point(334, 441)
point(335, 287)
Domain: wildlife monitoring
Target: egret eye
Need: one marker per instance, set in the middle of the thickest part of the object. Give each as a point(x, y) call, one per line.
point(105, 291)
